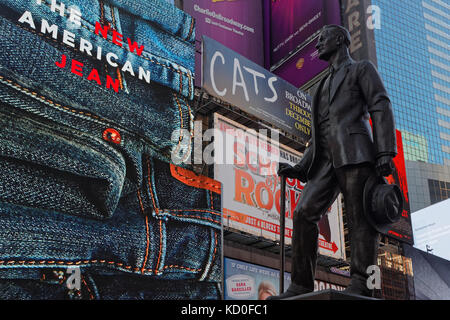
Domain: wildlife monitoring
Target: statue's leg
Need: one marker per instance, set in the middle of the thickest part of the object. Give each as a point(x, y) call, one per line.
point(363, 237)
point(318, 195)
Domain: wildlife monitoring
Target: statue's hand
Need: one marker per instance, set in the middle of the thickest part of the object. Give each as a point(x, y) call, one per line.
point(384, 166)
point(288, 171)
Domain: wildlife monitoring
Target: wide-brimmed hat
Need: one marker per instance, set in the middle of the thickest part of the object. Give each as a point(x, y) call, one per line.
point(383, 203)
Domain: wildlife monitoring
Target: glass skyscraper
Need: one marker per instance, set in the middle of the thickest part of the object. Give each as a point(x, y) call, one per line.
point(413, 53)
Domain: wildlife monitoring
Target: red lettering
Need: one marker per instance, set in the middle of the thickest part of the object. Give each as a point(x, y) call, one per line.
point(277, 200)
point(290, 182)
point(112, 82)
point(258, 193)
point(263, 166)
point(94, 76)
point(117, 38)
point(135, 46)
point(77, 67)
point(294, 198)
point(239, 152)
point(252, 158)
point(243, 194)
point(62, 63)
point(102, 29)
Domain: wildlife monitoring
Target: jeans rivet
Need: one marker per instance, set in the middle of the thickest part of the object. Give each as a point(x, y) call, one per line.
point(112, 135)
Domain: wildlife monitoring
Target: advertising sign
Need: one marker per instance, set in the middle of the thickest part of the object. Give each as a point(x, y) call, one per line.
point(251, 188)
point(293, 22)
point(237, 24)
point(402, 229)
point(432, 229)
point(356, 16)
point(80, 82)
point(302, 66)
point(247, 281)
point(239, 81)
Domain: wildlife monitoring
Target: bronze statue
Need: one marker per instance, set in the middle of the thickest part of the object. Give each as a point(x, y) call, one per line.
point(343, 153)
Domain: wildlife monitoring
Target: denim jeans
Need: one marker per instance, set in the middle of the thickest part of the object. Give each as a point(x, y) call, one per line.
point(86, 180)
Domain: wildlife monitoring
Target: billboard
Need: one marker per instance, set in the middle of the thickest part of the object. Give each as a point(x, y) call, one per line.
point(237, 24)
point(295, 22)
point(431, 227)
point(75, 94)
point(247, 281)
point(302, 66)
point(239, 81)
point(356, 16)
point(251, 189)
point(402, 229)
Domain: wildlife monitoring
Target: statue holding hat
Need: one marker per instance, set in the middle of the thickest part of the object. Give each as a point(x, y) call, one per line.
point(347, 155)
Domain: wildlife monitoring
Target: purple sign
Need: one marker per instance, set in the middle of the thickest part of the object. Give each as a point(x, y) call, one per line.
point(295, 21)
point(302, 66)
point(237, 24)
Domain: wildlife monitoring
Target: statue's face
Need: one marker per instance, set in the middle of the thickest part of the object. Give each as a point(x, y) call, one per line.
point(327, 44)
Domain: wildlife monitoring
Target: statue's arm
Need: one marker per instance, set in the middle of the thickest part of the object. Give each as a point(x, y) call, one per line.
point(380, 110)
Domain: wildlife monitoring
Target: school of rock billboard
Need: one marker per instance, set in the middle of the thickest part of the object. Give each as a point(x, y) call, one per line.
point(251, 188)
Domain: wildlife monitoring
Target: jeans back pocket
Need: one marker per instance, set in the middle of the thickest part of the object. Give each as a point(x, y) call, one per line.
point(56, 168)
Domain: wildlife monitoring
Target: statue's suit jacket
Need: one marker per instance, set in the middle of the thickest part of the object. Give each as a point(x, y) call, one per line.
point(356, 92)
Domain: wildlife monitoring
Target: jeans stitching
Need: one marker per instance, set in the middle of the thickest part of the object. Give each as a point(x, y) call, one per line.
point(146, 231)
point(28, 91)
point(181, 128)
point(43, 99)
point(190, 116)
point(67, 134)
point(190, 30)
point(189, 87)
point(160, 247)
point(150, 187)
point(102, 12)
point(91, 295)
point(212, 255)
point(113, 18)
point(215, 248)
point(191, 216)
point(211, 199)
point(51, 263)
point(114, 23)
point(181, 124)
point(198, 210)
point(157, 210)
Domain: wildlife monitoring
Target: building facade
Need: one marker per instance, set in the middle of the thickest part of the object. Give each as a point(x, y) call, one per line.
point(412, 40)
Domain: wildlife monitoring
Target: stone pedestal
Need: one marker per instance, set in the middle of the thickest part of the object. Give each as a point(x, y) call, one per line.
point(329, 294)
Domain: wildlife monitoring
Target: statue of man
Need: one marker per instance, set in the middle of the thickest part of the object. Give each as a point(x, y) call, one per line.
point(343, 153)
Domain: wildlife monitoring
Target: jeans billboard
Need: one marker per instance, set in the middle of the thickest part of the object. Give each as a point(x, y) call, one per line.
point(91, 92)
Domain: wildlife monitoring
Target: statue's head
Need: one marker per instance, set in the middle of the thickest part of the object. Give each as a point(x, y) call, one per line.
point(331, 39)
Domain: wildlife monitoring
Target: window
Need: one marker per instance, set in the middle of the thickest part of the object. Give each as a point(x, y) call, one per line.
point(439, 190)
